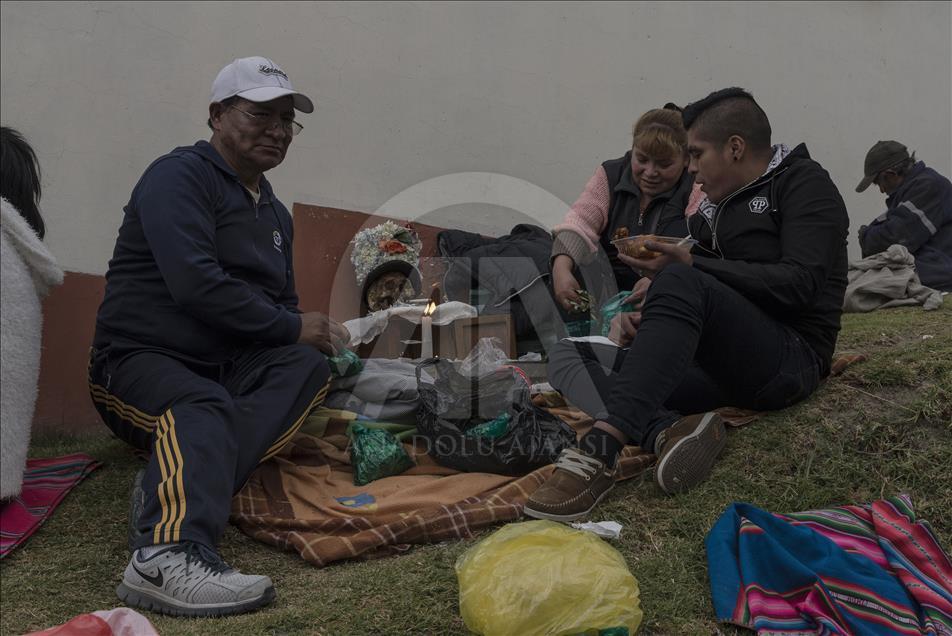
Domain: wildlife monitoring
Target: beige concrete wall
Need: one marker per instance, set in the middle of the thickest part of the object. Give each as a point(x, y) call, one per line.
point(472, 114)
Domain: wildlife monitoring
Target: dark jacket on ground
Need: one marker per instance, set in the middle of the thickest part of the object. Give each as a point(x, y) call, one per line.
point(919, 217)
point(198, 268)
point(781, 242)
point(514, 266)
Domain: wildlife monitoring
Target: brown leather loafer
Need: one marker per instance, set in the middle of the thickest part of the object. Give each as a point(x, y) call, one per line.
point(687, 450)
point(577, 484)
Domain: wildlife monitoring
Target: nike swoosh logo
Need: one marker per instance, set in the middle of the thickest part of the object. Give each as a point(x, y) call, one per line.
point(154, 580)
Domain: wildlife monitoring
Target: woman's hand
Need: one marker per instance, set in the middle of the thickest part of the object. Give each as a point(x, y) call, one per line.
point(623, 327)
point(563, 282)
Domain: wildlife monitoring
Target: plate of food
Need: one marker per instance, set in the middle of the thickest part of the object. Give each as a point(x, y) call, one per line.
point(634, 246)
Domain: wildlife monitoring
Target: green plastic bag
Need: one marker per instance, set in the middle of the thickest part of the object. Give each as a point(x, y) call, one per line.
point(613, 307)
point(542, 577)
point(345, 364)
point(493, 428)
point(579, 328)
point(375, 454)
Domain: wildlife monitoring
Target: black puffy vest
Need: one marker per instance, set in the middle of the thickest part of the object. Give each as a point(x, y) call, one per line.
point(664, 216)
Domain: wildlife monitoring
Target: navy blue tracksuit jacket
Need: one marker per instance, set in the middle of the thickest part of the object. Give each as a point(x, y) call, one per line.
point(197, 267)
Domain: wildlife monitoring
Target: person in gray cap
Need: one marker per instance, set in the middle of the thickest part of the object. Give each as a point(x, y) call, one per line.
point(918, 212)
point(201, 356)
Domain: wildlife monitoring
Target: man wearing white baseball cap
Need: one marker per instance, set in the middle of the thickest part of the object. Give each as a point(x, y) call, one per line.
point(201, 355)
point(257, 79)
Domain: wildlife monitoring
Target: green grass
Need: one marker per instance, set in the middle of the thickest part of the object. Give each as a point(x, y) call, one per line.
point(882, 428)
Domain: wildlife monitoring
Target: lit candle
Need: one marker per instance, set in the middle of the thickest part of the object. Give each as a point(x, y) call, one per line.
point(426, 332)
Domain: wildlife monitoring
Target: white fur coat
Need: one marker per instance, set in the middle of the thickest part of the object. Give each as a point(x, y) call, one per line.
point(29, 270)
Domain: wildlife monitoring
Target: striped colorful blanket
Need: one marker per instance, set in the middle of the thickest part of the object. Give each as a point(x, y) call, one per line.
point(45, 483)
point(869, 569)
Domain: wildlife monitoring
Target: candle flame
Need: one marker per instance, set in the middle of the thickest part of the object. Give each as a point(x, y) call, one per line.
point(430, 308)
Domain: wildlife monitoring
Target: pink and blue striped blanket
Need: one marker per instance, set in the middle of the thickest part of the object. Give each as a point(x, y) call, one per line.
point(45, 483)
point(865, 569)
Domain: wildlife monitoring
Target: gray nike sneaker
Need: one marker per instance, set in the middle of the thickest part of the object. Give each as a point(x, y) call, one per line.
point(188, 579)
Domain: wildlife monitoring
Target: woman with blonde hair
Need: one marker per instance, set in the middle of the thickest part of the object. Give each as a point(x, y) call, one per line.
point(646, 191)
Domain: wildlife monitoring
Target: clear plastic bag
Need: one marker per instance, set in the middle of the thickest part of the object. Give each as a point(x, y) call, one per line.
point(613, 307)
point(542, 577)
point(485, 358)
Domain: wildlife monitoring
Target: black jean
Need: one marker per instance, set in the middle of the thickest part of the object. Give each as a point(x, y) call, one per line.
point(701, 345)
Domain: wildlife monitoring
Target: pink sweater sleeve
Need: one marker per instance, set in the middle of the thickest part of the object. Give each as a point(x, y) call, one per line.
point(589, 215)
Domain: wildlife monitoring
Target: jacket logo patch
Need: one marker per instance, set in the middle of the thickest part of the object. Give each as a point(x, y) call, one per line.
point(277, 240)
point(757, 205)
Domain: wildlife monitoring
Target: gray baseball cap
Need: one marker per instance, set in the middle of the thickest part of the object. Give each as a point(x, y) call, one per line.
point(883, 155)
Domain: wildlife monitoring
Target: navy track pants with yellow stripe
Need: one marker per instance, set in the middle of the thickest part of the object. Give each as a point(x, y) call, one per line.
point(208, 425)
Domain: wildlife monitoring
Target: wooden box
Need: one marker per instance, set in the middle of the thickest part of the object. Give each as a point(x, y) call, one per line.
point(401, 340)
point(468, 331)
point(453, 341)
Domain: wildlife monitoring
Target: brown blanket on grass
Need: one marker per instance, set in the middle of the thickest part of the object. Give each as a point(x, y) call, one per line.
point(305, 499)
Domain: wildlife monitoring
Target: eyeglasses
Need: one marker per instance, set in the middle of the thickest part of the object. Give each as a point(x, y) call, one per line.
point(264, 122)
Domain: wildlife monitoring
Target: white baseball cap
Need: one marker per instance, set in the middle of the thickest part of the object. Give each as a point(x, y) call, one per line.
point(257, 79)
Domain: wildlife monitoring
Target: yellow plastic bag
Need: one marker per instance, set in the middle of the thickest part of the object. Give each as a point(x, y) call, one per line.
point(542, 577)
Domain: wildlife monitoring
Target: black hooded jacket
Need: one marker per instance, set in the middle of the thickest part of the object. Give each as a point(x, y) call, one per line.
point(781, 242)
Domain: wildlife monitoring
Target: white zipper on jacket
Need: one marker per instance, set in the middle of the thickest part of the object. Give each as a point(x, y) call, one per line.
point(720, 206)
